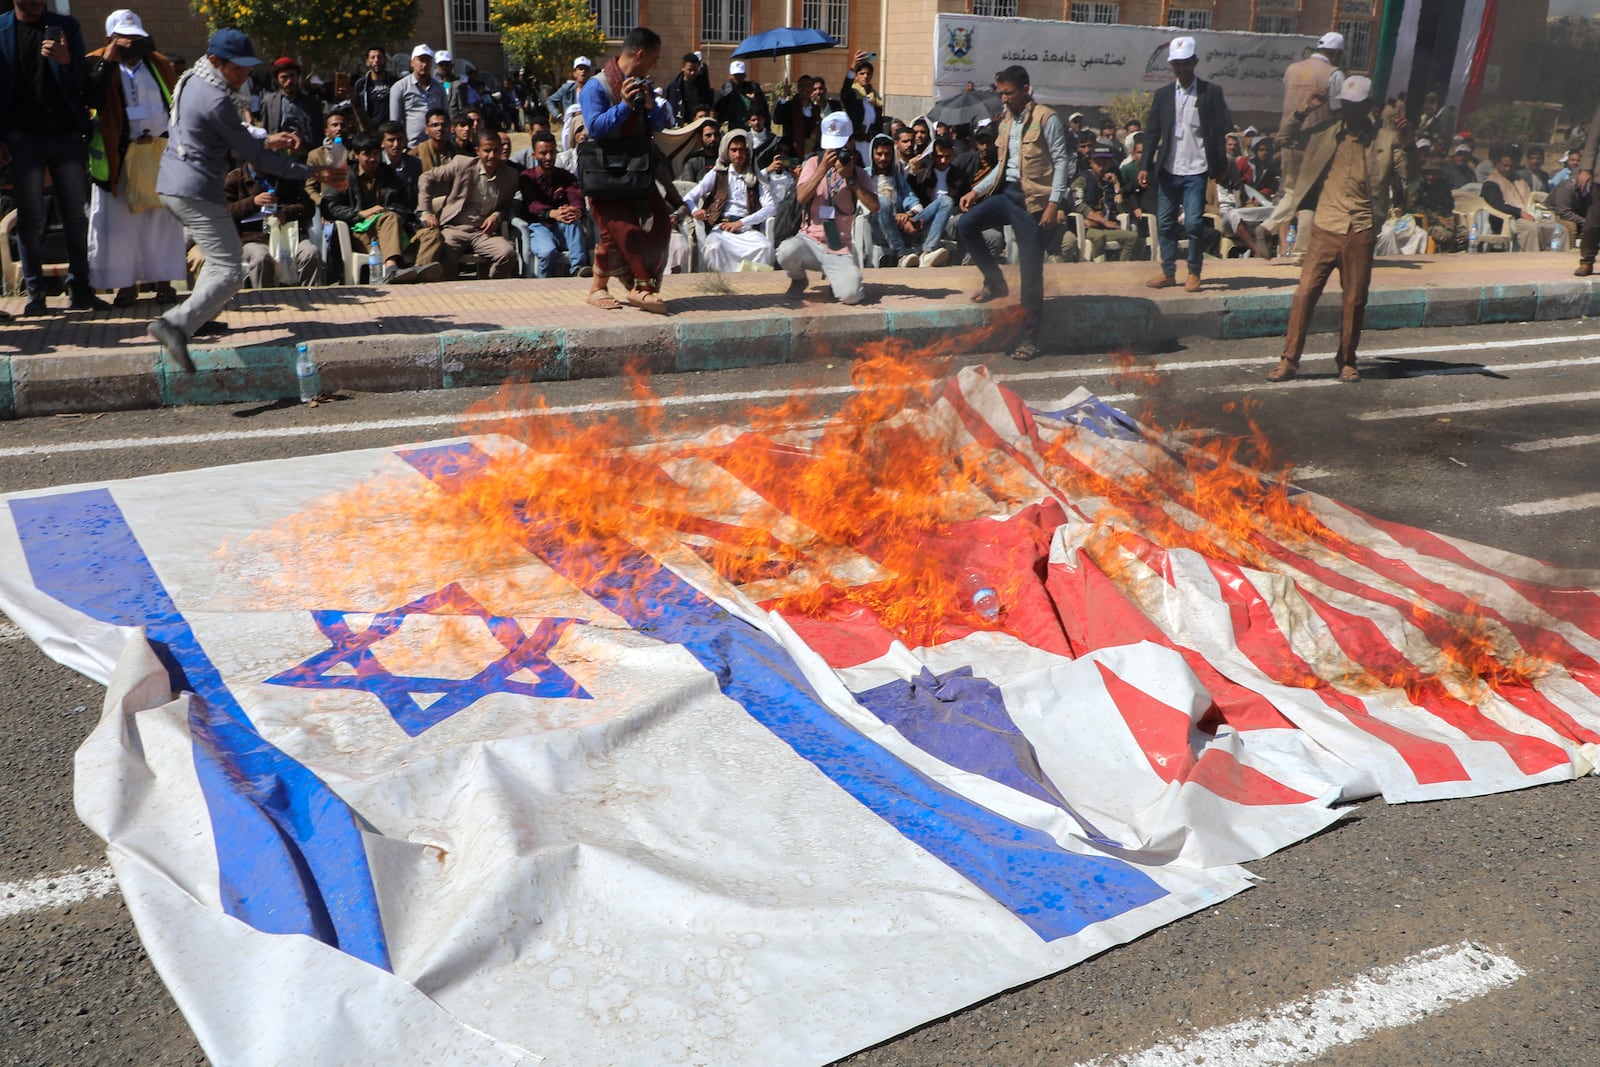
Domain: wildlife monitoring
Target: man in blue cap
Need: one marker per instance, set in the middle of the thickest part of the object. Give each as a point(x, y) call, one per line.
point(208, 109)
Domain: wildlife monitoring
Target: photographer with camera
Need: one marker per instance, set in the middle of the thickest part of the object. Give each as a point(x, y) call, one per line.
point(830, 185)
point(618, 170)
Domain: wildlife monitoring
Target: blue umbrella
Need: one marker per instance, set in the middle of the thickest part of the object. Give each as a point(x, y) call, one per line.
point(784, 41)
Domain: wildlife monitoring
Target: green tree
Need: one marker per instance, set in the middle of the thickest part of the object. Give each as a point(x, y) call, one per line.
point(319, 33)
point(1129, 107)
point(545, 35)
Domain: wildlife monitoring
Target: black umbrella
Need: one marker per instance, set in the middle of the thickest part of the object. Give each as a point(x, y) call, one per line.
point(963, 109)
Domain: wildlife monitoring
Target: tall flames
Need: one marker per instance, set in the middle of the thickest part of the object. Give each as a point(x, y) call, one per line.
point(883, 507)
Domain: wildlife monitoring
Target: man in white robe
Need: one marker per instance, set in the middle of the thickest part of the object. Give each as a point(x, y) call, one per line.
point(734, 204)
point(131, 86)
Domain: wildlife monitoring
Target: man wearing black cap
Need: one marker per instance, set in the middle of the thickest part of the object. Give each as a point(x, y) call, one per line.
point(1096, 195)
point(206, 126)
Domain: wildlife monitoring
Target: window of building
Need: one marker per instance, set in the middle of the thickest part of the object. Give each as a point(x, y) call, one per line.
point(1189, 18)
point(830, 16)
point(1091, 12)
point(724, 20)
point(1357, 44)
point(616, 17)
point(1006, 9)
point(469, 16)
point(1277, 23)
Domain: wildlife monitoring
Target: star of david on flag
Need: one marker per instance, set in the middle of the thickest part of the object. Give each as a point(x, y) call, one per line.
point(354, 662)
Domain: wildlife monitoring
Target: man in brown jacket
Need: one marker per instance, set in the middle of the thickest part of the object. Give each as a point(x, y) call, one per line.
point(478, 191)
point(1318, 73)
point(1352, 165)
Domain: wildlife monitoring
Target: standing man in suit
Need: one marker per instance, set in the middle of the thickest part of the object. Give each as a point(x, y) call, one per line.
point(43, 72)
point(1183, 148)
point(478, 191)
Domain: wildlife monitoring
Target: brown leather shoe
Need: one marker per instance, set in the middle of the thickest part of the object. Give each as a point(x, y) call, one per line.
point(1286, 369)
point(1348, 373)
point(1193, 284)
point(1161, 281)
point(1585, 268)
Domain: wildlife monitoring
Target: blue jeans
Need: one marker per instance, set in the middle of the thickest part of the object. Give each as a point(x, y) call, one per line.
point(543, 244)
point(67, 160)
point(894, 239)
point(1188, 192)
point(934, 218)
point(996, 211)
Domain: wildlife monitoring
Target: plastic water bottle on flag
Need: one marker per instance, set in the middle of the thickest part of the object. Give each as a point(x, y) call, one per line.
point(980, 595)
point(305, 371)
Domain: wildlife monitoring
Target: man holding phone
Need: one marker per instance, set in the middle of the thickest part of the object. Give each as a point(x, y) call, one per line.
point(45, 123)
point(830, 185)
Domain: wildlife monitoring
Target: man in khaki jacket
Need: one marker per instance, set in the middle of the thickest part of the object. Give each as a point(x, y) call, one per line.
point(1024, 191)
point(1352, 166)
point(478, 192)
point(1317, 73)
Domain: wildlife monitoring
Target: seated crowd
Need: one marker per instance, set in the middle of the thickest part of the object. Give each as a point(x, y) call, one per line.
point(815, 180)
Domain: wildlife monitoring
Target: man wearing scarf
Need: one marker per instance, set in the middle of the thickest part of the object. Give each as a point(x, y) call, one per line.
point(131, 85)
point(634, 231)
point(734, 204)
point(207, 123)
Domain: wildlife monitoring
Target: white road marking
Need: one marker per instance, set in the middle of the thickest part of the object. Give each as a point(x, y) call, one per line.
point(10, 632)
point(1547, 443)
point(424, 422)
point(1379, 999)
point(55, 891)
point(1555, 505)
point(1478, 405)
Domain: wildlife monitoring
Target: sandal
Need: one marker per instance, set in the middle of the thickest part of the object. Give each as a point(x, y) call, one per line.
point(647, 300)
point(1025, 351)
point(988, 293)
point(603, 300)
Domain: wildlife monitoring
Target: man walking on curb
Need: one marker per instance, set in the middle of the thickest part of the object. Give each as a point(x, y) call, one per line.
point(1024, 190)
point(207, 123)
point(1186, 131)
point(1350, 167)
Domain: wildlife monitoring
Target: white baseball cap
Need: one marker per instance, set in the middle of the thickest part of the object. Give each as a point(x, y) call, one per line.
point(124, 23)
point(443, 56)
point(1180, 48)
point(421, 50)
point(582, 61)
point(1075, 115)
point(736, 67)
point(836, 130)
point(1331, 42)
point(1356, 89)
point(1250, 131)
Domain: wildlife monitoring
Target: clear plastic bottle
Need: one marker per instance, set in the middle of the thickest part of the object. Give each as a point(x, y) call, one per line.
point(1289, 242)
point(374, 262)
point(1558, 241)
point(305, 371)
point(980, 595)
point(1472, 238)
point(338, 154)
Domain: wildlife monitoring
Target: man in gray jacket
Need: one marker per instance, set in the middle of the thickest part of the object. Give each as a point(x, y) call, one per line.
point(207, 123)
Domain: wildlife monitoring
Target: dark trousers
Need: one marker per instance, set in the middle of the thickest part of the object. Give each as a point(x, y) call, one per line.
point(1008, 208)
point(1591, 231)
point(1351, 255)
point(67, 160)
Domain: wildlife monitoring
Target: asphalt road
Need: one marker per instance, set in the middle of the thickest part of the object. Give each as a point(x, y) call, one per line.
point(1482, 433)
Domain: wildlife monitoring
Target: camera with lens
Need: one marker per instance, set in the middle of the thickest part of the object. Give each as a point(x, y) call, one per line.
point(641, 92)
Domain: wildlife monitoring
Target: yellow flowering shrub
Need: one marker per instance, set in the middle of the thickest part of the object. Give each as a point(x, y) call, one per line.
point(321, 34)
point(544, 35)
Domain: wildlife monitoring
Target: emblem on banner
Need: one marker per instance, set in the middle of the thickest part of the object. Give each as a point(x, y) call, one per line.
point(958, 46)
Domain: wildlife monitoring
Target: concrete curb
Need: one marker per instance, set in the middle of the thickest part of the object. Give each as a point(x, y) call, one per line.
point(120, 379)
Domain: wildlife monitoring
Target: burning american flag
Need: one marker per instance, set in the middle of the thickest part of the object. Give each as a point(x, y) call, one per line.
point(765, 745)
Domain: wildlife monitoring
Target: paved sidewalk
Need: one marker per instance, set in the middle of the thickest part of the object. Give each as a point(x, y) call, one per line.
point(479, 333)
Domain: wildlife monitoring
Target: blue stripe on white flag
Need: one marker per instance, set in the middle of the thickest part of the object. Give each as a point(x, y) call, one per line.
point(1055, 892)
point(290, 858)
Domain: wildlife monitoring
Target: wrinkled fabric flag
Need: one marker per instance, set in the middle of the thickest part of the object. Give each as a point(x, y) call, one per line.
point(650, 815)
